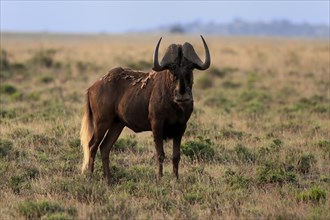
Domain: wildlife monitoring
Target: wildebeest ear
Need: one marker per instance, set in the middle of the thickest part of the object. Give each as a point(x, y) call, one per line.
point(170, 55)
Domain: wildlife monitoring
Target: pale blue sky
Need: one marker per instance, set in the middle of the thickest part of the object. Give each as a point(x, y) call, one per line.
point(122, 16)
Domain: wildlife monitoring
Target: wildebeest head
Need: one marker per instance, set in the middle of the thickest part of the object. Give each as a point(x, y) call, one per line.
point(181, 60)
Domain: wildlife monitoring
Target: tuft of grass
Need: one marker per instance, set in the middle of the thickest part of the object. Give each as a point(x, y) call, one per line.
point(221, 72)
point(20, 132)
point(305, 163)
point(324, 145)
point(21, 180)
point(4, 61)
point(204, 81)
point(119, 209)
point(6, 147)
point(236, 180)
point(193, 197)
point(277, 142)
point(254, 101)
point(231, 134)
point(46, 79)
point(7, 89)
point(244, 154)
point(45, 210)
point(124, 144)
point(17, 96)
point(221, 102)
point(317, 104)
point(198, 150)
point(264, 153)
point(75, 142)
point(6, 74)
point(315, 194)
point(44, 58)
point(34, 96)
point(230, 85)
point(272, 172)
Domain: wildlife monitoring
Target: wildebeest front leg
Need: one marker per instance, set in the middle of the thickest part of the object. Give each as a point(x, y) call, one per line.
point(160, 157)
point(157, 130)
point(176, 156)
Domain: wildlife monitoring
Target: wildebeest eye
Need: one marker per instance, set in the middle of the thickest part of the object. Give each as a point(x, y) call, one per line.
point(172, 67)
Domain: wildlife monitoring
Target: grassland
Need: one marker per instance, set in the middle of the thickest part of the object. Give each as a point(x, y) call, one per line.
point(256, 146)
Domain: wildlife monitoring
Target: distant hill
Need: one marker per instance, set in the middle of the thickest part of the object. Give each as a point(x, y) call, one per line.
point(238, 27)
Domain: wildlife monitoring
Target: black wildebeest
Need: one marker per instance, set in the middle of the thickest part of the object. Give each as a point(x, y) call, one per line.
point(160, 101)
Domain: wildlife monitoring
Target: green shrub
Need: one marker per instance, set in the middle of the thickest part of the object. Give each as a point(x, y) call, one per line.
point(18, 66)
point(264, 153)
point(6, 74)
point(252, 78)
point(305, 162)
point(34, 96)
point(205, 81)
point(57, 216)
point(140, 172)
point(82, 189)
point(45, 210)
point(118, 209)
point(16, 96)
point(230, 85)
point(254, 101)
point(193, 197)
point(46, 79)
point(4, 62)
point(124, 144)
point(7, 89)
point(42, 140)
point(324, 178)
point(74, 142)
point(324, 145)
point(236, 180)
point(21, 179)
point(271, 172)
point(315, 194)
point(6, 147)
point(221, 72)
point(198, 150)
point(244, 154)
point(16, 182)
point(231, 134)
point(321, 211)
point(318, 104)
point(219, 101)
point(44, 58)
point(277, 142)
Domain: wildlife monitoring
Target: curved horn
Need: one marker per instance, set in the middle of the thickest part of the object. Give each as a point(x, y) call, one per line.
point(190, 54)
point(157, 66)
point(206, 64)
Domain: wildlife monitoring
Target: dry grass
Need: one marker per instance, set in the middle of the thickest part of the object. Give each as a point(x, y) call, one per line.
point(262, 109)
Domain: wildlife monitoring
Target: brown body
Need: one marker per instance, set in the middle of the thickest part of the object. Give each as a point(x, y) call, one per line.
point(159, 101)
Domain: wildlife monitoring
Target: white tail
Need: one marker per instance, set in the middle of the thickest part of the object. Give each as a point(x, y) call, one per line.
point(86, 132)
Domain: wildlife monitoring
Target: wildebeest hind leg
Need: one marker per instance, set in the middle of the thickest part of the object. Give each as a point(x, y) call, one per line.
point(112, 135)
point(157, 130)
point(94, 143)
